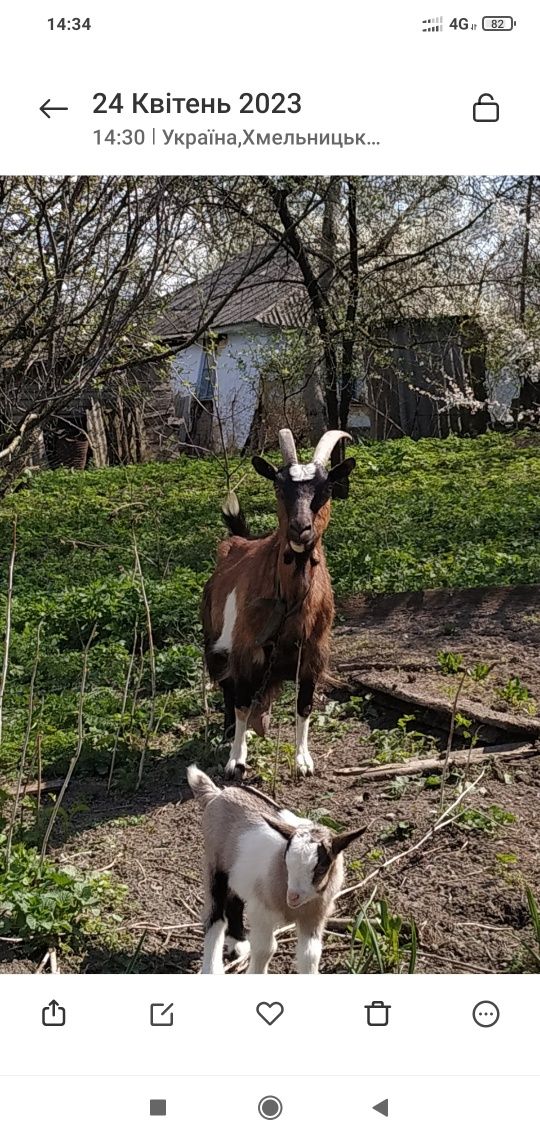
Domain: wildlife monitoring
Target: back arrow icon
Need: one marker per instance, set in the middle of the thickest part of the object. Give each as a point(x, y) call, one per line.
point(46, 107)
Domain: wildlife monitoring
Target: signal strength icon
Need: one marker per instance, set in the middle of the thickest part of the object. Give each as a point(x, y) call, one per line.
point(433, 24)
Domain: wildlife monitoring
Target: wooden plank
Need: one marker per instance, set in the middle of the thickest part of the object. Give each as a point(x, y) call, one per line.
point(486, 718)
point(32, 789)
point(435, 762)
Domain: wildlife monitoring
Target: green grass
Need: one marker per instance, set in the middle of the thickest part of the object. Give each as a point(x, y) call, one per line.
point(434, 513)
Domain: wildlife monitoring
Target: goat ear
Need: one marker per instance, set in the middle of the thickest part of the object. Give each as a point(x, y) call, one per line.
point(279, 825)
point(341, 841)
point(264, 468)
point(338, 478)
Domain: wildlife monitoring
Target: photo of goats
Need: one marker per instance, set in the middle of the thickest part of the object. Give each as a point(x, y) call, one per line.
point(268, 608)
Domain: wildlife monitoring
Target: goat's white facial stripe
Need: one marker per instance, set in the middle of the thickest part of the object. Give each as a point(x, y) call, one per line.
point(224, 641)
point(301, 472)
point(301, 860)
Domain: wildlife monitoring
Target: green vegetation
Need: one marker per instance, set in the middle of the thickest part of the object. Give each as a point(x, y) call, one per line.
point(488, 820)
point(45, 906)
point(397, 745)
point(517, 695)
point(450, 663)
point(434, 513)
point(382, 942)
point(533, 948)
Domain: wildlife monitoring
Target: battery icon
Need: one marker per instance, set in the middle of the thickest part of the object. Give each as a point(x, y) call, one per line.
point(498, 23)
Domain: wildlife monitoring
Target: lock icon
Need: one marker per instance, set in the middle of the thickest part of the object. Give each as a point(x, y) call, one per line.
point(486, 110)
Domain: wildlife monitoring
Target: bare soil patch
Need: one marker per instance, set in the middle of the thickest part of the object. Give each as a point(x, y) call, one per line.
point(464, 888)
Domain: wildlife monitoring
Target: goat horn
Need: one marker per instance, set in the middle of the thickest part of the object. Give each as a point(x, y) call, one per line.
point(327, 444)
point(288, 446)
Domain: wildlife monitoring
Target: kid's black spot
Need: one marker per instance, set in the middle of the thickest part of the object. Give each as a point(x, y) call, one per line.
point(234, 909)
point(219, 889)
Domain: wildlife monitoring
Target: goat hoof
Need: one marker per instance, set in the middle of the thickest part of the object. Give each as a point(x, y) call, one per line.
point(304, 764)
point(236, 951)
point(235, 770)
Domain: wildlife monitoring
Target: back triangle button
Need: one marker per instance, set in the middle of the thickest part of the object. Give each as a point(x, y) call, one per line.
point(381, 1107)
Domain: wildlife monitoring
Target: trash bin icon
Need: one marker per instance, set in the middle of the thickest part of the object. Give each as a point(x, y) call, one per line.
point(377, 1013)
point(486, 110)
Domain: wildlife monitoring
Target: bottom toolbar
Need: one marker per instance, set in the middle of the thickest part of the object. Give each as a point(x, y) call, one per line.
point(284, 1106)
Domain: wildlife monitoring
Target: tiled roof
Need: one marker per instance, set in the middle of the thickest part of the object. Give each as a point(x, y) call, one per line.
point(250, 288)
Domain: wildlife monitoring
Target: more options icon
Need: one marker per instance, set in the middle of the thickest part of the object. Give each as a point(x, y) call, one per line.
point(486, 1014)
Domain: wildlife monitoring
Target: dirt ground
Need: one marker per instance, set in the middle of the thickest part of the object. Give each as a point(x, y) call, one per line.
point(464, 888)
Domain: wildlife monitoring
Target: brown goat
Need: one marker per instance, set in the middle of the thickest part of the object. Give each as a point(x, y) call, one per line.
point(268, 607)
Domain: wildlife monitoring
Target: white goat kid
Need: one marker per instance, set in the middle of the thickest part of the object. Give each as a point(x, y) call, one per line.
point(280, 867)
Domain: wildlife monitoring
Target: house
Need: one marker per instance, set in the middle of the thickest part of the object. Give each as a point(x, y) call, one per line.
point(412, 377)
point(243, 312)
point(227, 335)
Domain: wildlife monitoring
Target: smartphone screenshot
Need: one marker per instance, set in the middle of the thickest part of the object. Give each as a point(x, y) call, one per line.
point(269, 570)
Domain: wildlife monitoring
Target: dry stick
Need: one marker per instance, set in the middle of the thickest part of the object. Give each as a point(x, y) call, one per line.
point(189, 909)
point(152, 659)
point(78, 750)
point(43, 962)
point(444, 773)
point(297, 689)
point(206, 709)
point(125, 695)
point(138, 682)
point(443, 821)
point(217, 412)
point(39, 761)
point(524, 750)
point(24, 752)
point(159, 719)
point(54, 962)
point(276, 760)
point(7, 635)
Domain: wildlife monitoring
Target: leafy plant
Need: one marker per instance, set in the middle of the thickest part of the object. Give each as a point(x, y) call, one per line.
point(534, 913)
point(396, 788)
point(488, 821)
point(319, 815)
point(43, 904)
point(450, 663)
point(394, 745)
point(516, 694)
point(480, 671)
point(401, 829)
point(382, 942)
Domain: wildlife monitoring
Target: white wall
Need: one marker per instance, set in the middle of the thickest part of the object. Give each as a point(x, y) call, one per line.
point(185, 370)
point(239, 363)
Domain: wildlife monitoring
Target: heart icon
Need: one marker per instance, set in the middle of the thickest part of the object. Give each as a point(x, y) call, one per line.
point(270, 1011)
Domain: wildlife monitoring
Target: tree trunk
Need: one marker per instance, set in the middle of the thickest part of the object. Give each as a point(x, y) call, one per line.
point(529, 397)
point(349, 334)
point(315, 403)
